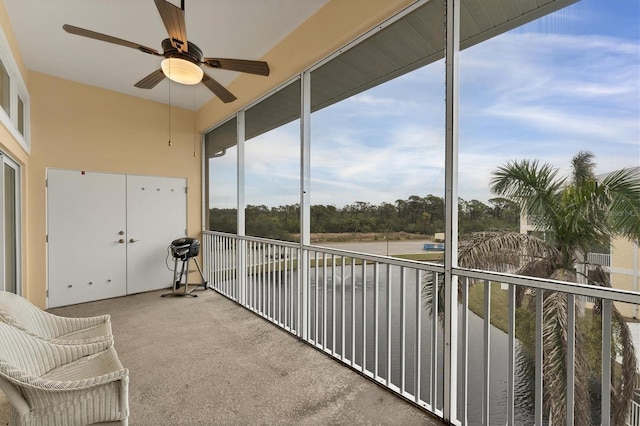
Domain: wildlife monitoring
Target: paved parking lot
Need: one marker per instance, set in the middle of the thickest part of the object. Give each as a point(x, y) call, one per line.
point(380, 247)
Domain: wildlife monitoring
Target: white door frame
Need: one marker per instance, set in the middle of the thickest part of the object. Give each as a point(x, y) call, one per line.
point(6, 161)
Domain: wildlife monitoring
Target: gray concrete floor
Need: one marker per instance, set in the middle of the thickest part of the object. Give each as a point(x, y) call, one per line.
point(208, 361)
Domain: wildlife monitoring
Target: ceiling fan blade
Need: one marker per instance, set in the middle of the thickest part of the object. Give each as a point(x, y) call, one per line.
point(241, 65)
point(173, 18)
point(150, 81)
point(218, 90)
point(103, 37)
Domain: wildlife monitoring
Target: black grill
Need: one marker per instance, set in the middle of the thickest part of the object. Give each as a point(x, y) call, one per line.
point(184, 248)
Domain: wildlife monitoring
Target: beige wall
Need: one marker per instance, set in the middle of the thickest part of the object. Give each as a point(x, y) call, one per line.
point(625, 271)
point(623, 252)
point(80, 127)
point(624, 282)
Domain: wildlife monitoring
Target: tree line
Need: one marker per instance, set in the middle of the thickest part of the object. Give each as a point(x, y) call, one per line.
point(416, 215)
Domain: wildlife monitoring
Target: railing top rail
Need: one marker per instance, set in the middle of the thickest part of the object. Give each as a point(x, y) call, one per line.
point(415, 264)
point(555, 285)
point(254, 239)
point(219, 233)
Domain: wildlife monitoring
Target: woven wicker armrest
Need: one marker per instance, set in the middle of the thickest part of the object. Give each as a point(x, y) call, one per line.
point(96, 333)
point(28, 381)
point(22, 314)
point(101, 367)
point(37, 357)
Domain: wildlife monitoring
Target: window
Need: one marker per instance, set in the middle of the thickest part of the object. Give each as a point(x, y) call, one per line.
point(272, 165)
point(14, 98)
point(377, 133)
point(221, 184)
point(5, 89)
point(20, 116)
point(562, 84)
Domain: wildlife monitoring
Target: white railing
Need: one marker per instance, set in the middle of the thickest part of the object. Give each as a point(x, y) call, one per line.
point(599, 259)
point(634, 414)
point(374, 314)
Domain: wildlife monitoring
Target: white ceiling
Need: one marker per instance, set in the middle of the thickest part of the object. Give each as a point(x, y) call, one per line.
point(238, 29)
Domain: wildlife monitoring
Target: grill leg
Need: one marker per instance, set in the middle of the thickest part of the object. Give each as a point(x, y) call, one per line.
point(177, 280)
point(205, 283)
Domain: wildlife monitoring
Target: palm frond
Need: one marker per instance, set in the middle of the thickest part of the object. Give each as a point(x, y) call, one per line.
point(554, 335)
point(622, 390)
point(502, 251)
point(535, 187)
point(433, 283)
point(583, 167)
point(623, 190)
point(581, 220)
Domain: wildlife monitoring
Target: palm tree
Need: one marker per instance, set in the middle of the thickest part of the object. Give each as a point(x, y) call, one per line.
point(574, 215)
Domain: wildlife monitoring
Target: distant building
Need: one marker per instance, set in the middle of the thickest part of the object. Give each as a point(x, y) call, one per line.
point(625, 270)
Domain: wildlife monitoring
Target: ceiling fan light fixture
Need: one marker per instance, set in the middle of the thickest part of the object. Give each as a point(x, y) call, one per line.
point(182, 71)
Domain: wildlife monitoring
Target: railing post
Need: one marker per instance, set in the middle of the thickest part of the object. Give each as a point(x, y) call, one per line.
point(571, 357)
point(241, 258)
point(305, 199)
point(539, 358)
point(451, 209)
point(605, 398)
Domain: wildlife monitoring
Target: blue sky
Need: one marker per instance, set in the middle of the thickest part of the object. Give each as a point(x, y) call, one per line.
point(564, 83)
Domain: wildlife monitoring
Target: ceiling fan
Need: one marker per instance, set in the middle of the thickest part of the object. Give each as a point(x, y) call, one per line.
point(182, 58)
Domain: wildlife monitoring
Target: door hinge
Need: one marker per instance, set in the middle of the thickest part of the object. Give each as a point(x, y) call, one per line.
point(47, 293)
point(46, 183)
point(46, 238)
point(186, 189)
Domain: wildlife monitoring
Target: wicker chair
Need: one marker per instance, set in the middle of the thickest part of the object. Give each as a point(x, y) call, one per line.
point(64, 385)
point(20, 313)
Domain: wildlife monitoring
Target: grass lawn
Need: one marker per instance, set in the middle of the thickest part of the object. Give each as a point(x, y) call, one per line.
point(525, 318)
point(499, 304)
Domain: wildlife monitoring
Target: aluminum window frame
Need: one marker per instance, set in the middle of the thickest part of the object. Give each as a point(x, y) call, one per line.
point(17, 88)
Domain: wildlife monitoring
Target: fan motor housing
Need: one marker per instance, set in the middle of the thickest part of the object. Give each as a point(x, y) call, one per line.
point(194, 54)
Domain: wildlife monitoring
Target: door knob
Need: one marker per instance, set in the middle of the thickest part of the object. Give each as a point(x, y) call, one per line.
point(132, 240)
point(121, 241)
point(121, 233)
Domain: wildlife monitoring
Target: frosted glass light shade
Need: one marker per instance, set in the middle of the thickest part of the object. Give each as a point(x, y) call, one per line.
point(181, 71)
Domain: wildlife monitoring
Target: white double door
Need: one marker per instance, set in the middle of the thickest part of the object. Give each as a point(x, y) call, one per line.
point(108, 233)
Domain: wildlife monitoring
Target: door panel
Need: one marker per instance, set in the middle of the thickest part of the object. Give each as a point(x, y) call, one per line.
point(86, 219)
point(156, 215)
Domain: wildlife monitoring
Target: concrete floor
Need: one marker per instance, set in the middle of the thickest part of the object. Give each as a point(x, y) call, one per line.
point(208, 361)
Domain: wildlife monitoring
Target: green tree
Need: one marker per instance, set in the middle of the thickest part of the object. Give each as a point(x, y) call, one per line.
point(573, 214)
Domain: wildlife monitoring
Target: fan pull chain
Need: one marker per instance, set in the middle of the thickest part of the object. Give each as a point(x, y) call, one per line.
point(194, 123)
point(169, 106)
